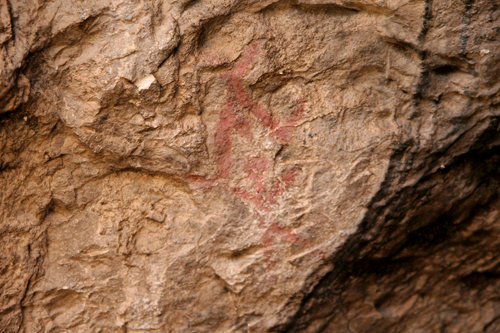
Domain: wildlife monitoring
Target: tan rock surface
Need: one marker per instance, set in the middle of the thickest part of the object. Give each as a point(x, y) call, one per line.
point(249, 166)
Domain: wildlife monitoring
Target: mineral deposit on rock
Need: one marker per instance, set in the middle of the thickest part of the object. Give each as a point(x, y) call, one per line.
point(250, 166)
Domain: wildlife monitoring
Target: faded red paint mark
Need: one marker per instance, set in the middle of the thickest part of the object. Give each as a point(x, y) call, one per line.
point(239, 102)
point(228, 121)
point(235, 117)
point(289, 177)
point(232, 117)
point(238, 116)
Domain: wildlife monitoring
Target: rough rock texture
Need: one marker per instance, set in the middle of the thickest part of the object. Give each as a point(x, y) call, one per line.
point(249, 166)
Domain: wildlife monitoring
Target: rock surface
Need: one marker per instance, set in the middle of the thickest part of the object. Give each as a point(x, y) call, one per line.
point(249, 166)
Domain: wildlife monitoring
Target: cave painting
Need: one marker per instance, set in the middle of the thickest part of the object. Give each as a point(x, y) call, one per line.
point(235, 118)
point(240, 116)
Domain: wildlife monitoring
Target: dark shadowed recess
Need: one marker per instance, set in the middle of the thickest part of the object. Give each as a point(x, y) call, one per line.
point(407, 231)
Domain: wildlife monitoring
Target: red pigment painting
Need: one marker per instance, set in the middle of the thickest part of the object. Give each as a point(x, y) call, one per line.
point(236, 118)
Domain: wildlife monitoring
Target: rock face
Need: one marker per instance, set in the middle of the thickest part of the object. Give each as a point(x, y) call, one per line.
point(249, 166)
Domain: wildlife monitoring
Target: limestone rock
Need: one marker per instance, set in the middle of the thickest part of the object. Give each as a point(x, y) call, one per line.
point(249, 166)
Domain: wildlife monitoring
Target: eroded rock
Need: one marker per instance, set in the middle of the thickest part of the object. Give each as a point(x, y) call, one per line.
point(249, 166)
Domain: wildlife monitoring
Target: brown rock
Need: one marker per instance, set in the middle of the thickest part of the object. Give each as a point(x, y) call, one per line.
point(249, 166)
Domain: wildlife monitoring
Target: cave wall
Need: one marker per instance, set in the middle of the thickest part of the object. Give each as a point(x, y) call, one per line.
point(249, 166)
